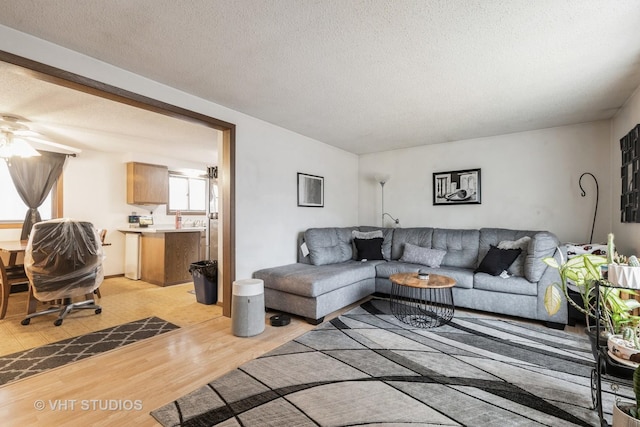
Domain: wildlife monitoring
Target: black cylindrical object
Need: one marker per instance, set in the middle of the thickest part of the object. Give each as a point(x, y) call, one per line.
point(205, 281)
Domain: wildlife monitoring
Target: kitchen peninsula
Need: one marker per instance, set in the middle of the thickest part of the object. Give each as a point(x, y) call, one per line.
point(166, 253)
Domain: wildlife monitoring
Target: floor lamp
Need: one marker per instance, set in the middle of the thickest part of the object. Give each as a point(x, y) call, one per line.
point(383, 181)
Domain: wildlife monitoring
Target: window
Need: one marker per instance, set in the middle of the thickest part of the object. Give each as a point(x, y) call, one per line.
point(187, 194)
point(12, 208)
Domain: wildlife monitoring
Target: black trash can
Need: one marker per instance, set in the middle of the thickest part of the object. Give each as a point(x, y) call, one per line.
point(205, 281)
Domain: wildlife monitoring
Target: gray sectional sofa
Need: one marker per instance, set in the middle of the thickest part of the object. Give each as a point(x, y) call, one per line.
point(328, 275)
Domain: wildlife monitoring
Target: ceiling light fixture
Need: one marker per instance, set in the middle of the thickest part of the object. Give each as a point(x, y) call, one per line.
point(15, 138)
point(13, 147)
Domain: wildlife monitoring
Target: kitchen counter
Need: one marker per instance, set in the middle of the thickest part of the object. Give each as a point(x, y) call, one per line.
point(164, 254)
point(161, 229)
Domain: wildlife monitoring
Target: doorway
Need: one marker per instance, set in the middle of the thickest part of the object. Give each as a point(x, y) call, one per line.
point(226, 157)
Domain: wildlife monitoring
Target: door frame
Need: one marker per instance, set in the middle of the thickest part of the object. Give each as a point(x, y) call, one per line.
point(226, 164)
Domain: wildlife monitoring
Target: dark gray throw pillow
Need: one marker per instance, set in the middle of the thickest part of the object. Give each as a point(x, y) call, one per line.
point(497, 260)
point(369, 249)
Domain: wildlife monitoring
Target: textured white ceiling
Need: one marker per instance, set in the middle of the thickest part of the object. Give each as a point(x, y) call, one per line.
point(85, 121)
point(368, 75)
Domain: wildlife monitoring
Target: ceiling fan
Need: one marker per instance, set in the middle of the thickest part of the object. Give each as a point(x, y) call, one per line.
point(14, 137)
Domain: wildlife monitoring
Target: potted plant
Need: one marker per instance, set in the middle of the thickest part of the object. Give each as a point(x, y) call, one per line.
point(583, 271)
point(621, 327)
point(627, 414)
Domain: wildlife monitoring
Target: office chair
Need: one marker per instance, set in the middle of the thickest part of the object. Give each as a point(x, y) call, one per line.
point(63, 260)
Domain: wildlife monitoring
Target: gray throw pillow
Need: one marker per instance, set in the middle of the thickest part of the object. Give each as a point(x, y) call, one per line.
point(425, 256)
point(517, 267)
point(366, 234)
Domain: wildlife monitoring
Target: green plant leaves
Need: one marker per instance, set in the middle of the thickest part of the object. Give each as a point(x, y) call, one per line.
point(582, 271)
point(593, 267)
point(552, 300)
point(551, 262)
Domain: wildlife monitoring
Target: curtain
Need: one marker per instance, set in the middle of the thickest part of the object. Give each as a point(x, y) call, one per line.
point(34, 178)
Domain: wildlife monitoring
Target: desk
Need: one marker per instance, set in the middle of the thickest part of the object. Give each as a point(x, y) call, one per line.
point(11, 273)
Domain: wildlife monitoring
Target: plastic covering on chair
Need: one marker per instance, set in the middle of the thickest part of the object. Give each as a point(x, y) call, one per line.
point(64, 259)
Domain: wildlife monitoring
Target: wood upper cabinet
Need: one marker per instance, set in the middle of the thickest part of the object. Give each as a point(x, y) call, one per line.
point(147, 184)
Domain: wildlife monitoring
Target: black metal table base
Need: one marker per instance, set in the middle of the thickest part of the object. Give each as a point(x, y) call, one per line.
point(422, 307)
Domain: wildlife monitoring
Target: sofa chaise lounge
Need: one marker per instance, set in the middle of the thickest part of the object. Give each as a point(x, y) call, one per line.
point(329, 275)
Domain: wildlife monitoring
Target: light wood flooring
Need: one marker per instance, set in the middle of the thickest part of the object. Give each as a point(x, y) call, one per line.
point(123, 301)
point(147, 374)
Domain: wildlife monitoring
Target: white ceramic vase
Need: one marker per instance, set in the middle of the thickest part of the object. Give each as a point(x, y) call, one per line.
point(624, 276)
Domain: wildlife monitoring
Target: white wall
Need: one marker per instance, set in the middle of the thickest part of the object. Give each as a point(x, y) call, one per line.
point(268, 218)
point(529, 181)
point(94, 187)
point(627, 236)
point(95, 190)
point(267, 160)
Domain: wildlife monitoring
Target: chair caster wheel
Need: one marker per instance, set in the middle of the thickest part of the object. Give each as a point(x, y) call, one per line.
point(98, 310)
point(25, 322)
point(58, 322)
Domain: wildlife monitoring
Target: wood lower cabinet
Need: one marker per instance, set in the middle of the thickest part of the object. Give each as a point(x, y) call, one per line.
point(166, 257)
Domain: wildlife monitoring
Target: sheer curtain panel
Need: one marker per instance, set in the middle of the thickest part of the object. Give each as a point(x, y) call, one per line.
point(34, 178)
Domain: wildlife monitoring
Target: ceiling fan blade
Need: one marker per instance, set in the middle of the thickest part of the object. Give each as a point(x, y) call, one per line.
point(53, 144)
point(27, 133)
point(12, 123)
point(22, 129)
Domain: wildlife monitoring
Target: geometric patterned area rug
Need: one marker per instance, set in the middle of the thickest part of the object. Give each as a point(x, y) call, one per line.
point(368, 368)
point(29, 362)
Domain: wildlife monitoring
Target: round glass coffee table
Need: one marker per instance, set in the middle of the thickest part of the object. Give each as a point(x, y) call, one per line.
point(422, 303)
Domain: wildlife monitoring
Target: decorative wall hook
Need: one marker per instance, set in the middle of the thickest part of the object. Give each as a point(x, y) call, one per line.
point(583, 194)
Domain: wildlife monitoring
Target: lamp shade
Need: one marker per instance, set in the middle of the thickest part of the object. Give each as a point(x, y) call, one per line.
point(382, 179)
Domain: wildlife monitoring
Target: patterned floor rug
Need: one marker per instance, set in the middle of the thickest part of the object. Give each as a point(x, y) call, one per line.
point(367, 368)
point(29, 362)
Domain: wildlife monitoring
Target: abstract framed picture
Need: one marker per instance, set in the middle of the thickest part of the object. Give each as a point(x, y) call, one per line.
point(310, 190)
point(630, 173)
point(456, 187)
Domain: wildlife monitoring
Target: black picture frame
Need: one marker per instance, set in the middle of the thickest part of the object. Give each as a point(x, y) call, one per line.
point(630, 174)
point(461, 187)
point(310, 190)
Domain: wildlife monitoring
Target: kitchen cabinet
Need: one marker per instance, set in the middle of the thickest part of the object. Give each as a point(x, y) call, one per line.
point(167, 256)
point(147, 184)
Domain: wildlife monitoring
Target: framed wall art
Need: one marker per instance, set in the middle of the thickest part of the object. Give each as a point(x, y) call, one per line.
point(456, 187)
point(310, 190)
point(630, 174)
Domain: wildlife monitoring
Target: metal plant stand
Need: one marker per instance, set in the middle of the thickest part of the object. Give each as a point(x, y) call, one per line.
point(605, 366)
